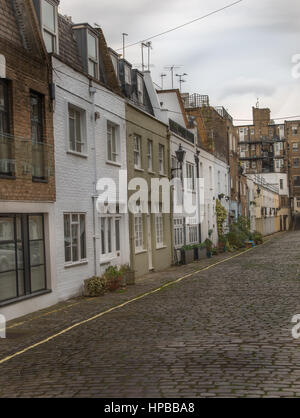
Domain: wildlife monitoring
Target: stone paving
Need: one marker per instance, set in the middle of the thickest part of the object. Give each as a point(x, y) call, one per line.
point(223, 332)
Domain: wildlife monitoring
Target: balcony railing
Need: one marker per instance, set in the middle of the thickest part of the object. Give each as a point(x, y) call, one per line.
point(7, 162)
point(181, 131)
point(195, 100)
point(21, 157)
point(223, 112)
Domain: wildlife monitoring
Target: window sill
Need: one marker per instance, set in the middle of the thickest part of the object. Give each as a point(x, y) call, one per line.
point(137, 252)
point(151, 172)
point(24, 298)
point(7, 177)
point(161, 247)
point(108, 259)
point(80, 263)
point(139, 169)
point(37, 180)
point(77, 154)
point(115, 164)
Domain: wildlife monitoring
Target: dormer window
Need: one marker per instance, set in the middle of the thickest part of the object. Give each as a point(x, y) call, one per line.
point(127, 75)
point(49, 25)
point(92, 55)
point(140, 88)
point(115, 61)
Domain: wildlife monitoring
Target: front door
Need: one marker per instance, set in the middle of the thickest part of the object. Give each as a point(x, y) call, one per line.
point(149, 238)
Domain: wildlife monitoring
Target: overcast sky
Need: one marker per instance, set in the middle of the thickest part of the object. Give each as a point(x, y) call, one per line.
point(235, 56)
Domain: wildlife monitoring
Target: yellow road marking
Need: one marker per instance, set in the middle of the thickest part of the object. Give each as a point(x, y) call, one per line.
point(64, 331)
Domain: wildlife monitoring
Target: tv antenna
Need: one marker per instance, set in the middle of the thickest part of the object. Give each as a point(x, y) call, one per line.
point(172, 68)
point(181, 80)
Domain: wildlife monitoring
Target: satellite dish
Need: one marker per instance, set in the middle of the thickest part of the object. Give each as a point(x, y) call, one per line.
point(2, 66)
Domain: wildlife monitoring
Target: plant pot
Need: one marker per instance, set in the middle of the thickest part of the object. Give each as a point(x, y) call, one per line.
point(187, 256)
point(129, 278)
point(202, 253)
point(208, 254)
point(196, 254)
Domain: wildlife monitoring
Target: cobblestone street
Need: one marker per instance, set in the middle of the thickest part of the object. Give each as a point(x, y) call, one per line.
point(225, 331)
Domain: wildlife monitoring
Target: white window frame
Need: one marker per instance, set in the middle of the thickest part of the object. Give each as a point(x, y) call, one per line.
point(161, 159)
point(150, 155)
point(159, 230)
point(82, 140)
point(48, 30)
point(178, 232)
point(295, 146)
point(190, 176)
point(113, 138)
point(139, 233)
point(78, 223)
point(93, 59)
point(137, 151)
point(108, 239)
point(193, 234)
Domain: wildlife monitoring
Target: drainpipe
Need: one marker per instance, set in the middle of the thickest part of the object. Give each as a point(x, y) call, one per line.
point(92, 91)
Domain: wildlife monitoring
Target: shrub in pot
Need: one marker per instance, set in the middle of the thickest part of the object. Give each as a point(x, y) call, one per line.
point(128, 275)
point(209, 247)
point(95, 286)
point(113, 278)
point(188, 254)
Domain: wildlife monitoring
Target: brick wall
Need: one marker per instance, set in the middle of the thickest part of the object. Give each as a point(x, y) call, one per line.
point(26, 71)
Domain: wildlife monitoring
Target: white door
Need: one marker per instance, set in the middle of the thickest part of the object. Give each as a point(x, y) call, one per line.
point(149, 237)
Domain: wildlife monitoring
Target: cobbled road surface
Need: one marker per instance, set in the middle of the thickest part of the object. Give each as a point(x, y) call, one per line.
point(224, 332)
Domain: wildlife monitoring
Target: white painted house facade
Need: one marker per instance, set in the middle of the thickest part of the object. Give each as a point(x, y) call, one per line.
point(90, 144)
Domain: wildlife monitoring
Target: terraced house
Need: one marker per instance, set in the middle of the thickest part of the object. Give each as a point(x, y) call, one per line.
point(148, 157)
point(90, 145)
point(27, 181)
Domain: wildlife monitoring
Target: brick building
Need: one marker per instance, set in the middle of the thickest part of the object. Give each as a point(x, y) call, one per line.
point(292, 129)
point(27, 182)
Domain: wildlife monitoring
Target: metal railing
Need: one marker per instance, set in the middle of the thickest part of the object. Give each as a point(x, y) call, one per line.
point(181, 131)
point(195, 100)
point(223, 112)
point(22, 157)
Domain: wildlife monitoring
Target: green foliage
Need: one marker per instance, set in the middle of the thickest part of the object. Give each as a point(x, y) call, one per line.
point(239, 233)
point(125, 269)
point(96, 286)
point(221, 217)
point(208, 245)
point(113, 277)
point(258, 238)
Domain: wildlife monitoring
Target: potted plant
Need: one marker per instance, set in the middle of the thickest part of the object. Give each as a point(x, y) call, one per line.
point(222, 244)
point(113, 277)
point(209, 246)
point(187, 254)
point(128, 275)
point(95, 286)
point(201, 251)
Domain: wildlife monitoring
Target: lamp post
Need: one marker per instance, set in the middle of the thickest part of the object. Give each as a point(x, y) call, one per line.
point(180, 155)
